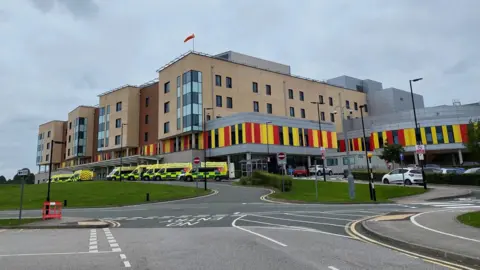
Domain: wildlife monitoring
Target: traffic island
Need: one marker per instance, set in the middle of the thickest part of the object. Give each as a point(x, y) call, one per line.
point(470, 219)
point(64, 223)
point(398, 231)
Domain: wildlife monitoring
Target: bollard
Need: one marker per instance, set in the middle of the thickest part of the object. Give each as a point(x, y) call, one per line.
point(148, 197)
point(64, 203)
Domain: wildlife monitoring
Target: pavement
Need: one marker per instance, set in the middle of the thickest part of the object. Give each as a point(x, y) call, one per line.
point(236, 228)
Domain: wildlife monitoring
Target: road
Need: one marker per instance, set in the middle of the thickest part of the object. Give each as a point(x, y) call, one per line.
point(232, 229)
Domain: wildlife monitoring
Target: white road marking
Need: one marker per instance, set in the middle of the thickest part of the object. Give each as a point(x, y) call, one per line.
point(332, 268)
point(114, 245)
point(92, 244)
point(116, 250)
point(264, 198)
point(127, 264)
point(320, 217)
point(254, 233)
point(463, 207)
point(50, 254)
point(122, 256)
point(112, 241)
point(413, 220)
point(302, 221)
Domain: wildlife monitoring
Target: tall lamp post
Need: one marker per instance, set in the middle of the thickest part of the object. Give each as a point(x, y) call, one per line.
point(205, 138)
point(121, 150)
point(351, 184)
point(371, 185)
point(417, 129)
point(320, 102)
point(268, 145)
point(52, 143)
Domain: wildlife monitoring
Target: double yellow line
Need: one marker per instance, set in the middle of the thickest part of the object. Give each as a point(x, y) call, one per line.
point(350, 229)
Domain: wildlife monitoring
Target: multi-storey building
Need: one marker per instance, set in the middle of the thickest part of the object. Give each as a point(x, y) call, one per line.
point(81, 137)
point(48, 147)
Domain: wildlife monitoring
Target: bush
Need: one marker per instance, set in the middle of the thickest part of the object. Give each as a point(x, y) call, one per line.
point(434, 178)
point(363, 175)
point(260, 178)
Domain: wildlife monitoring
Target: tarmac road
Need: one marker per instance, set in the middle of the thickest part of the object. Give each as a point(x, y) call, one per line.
point(234, 229)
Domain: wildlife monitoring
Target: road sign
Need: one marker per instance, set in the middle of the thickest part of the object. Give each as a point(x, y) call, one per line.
point(281, 158)
point(420, 149)
point(23, 172)
point(196, 162)
point(420, 156)
point(401, 156)
point(322, 150)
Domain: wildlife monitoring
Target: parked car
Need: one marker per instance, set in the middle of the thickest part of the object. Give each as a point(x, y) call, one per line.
point(449, 171)
point(431, 170)
point(432, 166)
point(408, 176)
point(470, 163)
point(318, 169)
point(472, 171)
point(300, 171)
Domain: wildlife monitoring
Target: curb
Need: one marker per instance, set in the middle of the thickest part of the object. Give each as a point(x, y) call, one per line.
point(466, 194)
point(70, 226)
point(426, 250)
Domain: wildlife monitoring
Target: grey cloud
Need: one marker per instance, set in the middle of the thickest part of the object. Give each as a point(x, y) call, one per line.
point(462, 66)
point(78, 8)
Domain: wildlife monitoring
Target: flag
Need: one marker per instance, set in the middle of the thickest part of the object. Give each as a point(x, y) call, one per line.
point(192, 36)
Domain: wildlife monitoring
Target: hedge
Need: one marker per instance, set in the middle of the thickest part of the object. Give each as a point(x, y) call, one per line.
point(434, 178)
point(260, 178)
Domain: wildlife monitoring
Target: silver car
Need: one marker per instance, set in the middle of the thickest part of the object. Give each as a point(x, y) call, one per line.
point(408, 176)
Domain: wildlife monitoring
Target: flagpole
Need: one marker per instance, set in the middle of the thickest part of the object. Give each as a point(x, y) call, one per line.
point(193, 42)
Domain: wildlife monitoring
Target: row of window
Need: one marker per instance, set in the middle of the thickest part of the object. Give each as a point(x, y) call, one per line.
point(219, 102)
point(228, 81)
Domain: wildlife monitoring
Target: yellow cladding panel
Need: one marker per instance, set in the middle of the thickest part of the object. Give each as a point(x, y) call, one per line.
point(221, 137)
point(376, 144)
point(334, 140)
point(285, 136)
point(411, 137)
point(200, 141)
point(360, 144)
point(302, 133)
point(244, 133)
point(252, 129)
point(212, 134)
point(236, 133)
point(384, 137)
point(324, 139)
point(263, 133)
point(315, 137)
point(445, 134)
point(434, 135)
point(270, 134)
point(296, 141)
point(457, 135)
point(423, 135)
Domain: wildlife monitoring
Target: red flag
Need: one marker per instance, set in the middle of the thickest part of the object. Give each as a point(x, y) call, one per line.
point(192, 36)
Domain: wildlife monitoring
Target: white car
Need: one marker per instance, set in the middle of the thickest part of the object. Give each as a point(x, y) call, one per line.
point(472, 170)
point(318, 169)
point(408, 176)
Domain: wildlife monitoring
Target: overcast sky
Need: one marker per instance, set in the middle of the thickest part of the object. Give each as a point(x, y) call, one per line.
point(57, 54)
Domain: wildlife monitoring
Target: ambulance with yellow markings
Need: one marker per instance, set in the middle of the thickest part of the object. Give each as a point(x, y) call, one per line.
point(138, 173)
point(217, 171)
point(167, 171)
point(81, 175)
point(61, 178)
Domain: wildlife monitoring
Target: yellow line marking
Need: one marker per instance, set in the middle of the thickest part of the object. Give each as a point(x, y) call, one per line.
point(392, 217)
point(424, 257)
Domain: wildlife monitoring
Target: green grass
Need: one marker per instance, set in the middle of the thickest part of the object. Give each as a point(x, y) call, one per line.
point(93, 194)
point(336, 192)
point(14, 221)
point(472, 219)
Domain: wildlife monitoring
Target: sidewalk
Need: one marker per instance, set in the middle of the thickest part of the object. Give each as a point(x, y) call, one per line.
point(436, 193)
point(436, 233)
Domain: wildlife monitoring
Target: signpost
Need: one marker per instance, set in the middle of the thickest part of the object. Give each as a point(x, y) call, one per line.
point(196, 165)
point(282, 160)
point(420, 150)
point(23, 173)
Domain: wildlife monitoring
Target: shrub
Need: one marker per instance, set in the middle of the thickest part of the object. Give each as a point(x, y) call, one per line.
point(260, 178)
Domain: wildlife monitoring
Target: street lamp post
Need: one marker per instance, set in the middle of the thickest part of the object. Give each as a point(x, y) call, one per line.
point(121, 150)
point(268, 145)
point(320, 102)
point(52, 143)
point(205, 139)
point(371, 185)
point(351, 184)
point(417, 129)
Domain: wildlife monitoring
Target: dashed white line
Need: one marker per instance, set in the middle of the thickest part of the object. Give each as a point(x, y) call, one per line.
point(320, 217)
point(127, 264)
point(332, 268)
point(122, 256)
point(116, 250)
point(114, 245)
point(93, 245)
point(254, 233)
point(302, 221)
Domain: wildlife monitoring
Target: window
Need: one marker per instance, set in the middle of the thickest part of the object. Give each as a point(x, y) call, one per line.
point(166, 127)
point(219, 101)
point(145, 137)
point(218, 80)
point(68, 152)
point(255, 106)
point(69, 138)
point(365, 109)
point(300, 94)
point(118, 122)
point(229, 102)
point(146, 119)
point(166, 87)
point(268, 90)
point(117, 140)
point(70, 125)
point(118, 107)
point(332, 117)
point(269, 108)
point(166, 107)
point(322, 116)
point(292, 112)
point(320, 99)
point(147, 101)
point(330, 101)
point(428, 135)
point(229, 82)
point(208, 117)
point(302, 113)
point(48, 145)
point(47, 157)
point(48, 134)
point(355, 106)
point(439, 131)
point(347, 104)
point(254, 87)
point(290, 93)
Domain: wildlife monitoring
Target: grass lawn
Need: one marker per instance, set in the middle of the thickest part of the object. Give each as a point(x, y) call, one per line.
point(472, 219)
point(14, 221)
point(304, 191)
point(93, 194)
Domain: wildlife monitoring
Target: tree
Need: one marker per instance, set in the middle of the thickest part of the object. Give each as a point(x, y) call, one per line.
point(3, 180)
point(391, 152)
point(473, 142)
